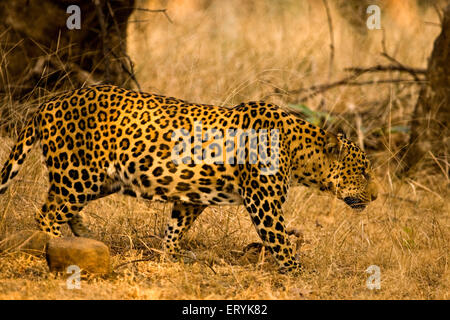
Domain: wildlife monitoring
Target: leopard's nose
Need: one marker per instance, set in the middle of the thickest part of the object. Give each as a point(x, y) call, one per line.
point(373, 191)
point(373, 195)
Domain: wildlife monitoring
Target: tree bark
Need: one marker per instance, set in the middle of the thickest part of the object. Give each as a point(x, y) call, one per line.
point(429, 140)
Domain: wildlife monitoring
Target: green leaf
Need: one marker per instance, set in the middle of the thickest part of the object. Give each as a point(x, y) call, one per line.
point(399, 129)
point(315, 117)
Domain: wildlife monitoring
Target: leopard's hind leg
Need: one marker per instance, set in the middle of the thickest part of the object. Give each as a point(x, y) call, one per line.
point(76, 223)
point(65, 201)
point(78, 227)
point(58, 209)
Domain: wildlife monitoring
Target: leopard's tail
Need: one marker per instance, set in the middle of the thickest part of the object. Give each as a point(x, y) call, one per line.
point(27, 137)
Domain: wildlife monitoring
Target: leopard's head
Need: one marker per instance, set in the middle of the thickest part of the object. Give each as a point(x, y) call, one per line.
point(350, 176)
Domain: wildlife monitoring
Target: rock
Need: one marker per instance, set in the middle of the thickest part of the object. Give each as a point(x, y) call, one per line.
point(29, 241)
point(88, 254)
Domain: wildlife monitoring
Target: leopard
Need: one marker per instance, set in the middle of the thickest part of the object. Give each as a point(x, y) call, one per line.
point(103, 139)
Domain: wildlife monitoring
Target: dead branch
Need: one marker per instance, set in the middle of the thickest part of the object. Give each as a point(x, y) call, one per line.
point(348, 81)
point(163, 11)
point(400, 65)
point(357, 72)
point(383, 68)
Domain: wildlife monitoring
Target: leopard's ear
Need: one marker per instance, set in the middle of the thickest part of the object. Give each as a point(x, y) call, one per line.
point(333, 145)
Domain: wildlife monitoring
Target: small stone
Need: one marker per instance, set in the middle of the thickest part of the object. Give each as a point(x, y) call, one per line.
point(88, 254)
point(30, 241)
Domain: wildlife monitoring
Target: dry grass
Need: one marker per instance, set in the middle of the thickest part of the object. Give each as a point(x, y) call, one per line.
point(231, 52)
point(405, 233)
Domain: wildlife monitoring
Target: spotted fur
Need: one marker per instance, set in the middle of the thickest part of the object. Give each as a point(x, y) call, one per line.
point(101, 140)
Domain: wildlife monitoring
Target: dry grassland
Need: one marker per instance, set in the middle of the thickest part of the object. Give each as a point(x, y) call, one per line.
point(234, 51)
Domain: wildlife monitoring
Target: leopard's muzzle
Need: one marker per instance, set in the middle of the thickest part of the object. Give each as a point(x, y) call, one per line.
point(355, 203)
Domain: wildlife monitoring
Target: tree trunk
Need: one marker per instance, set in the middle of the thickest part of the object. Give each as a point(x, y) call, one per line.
point(429, 140)
point(39, 54)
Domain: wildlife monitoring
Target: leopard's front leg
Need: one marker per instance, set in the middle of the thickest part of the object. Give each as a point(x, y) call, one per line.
point(263, 197)
point(182, 217)
point(271, 229)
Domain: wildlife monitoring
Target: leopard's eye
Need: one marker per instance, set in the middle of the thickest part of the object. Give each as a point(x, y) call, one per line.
point(365, 174)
